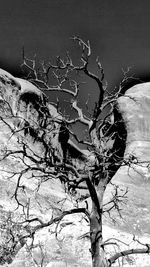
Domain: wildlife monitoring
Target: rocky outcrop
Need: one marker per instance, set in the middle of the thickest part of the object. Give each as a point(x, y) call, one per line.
point(135, 107)
point(26, 108)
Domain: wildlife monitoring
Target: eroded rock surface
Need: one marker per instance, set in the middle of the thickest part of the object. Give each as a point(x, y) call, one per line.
point(25, 100)
point(24, 108)
point(135, 107)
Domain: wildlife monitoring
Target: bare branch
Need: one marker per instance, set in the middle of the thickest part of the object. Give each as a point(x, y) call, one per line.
point(129, 252)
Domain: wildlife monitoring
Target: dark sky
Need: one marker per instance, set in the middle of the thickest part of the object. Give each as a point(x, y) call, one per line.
point(119, 31)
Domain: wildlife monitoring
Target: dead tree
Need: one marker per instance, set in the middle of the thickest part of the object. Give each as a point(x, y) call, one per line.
point(105, 142)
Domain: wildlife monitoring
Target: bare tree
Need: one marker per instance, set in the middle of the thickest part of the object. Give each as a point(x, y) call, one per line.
point(79, 171)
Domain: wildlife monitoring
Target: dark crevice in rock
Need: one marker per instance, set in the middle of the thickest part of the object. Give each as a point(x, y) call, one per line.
point(118, 133)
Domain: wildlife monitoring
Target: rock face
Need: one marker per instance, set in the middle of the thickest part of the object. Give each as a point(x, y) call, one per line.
point(25, 108)
point(31, 107)
point(135, 107)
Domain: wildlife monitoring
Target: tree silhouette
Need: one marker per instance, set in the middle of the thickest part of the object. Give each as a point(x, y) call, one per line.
point(83, 164)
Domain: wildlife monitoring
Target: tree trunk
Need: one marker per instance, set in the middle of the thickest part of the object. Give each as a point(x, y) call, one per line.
point(97, 249)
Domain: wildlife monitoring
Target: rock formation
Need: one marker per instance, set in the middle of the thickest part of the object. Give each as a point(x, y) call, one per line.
point(25, 112)
point(26, 108)
point(135, 107)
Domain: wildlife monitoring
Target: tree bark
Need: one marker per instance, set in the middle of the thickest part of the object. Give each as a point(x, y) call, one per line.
point(97, 249)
